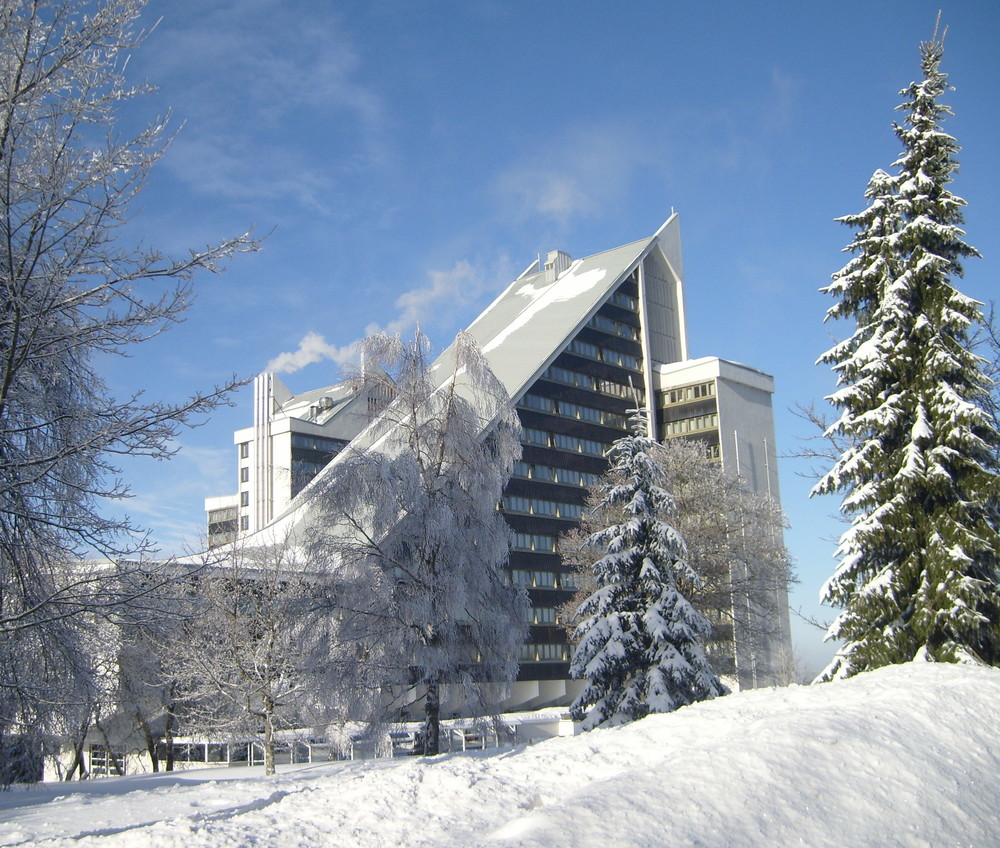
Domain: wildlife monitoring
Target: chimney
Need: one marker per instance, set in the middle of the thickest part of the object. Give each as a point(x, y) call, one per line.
point(555, 263)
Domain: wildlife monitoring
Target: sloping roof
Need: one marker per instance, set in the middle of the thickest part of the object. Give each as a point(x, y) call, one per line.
point(525, 329)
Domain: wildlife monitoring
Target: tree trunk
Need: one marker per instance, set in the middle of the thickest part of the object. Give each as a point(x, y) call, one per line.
point(110, 754)
point(168, 737)
point(432, 720)
point(78, 746)
point(150, 741)
point(268, 735)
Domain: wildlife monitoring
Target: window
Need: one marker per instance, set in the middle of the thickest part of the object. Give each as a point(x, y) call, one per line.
point(516, 504)
point(244, 450)
point(534, 542)
point(691, 425)
point(687, 393)
point(244, 522)
point(317, 443)
point(614, 328)
point(577, 445)
point(601, 354)
point(245, 474)
point(542, 404)
point(573, 410)
point(244, 499)
point(570, 580)
point(552, 653)
point(585, 349)
point(535, 506)
point(550, 474)
point(544, 579)
point(625, 301)
point(532, 436)
point(543, 615)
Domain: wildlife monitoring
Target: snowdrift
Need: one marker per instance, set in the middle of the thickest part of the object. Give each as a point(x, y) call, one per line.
point(905, 756)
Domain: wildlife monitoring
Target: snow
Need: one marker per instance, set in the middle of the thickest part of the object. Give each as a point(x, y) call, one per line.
point(903, 756)
point(571, 285)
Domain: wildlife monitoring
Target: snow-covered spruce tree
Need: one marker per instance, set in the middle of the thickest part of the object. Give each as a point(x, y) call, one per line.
point(918, 572)
point(419, 510)
point(640, 641)
point(71, 291)
point(733, 543)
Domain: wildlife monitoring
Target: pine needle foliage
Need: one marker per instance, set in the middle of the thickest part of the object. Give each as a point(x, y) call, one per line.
point(640, 641)
point(918, 571)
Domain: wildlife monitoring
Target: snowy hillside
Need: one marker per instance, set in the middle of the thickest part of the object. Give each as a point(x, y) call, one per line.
point(905, 756)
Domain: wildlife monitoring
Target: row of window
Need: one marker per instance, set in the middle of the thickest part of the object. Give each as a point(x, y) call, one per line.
point(625, 301)
point(603, 354)
point(544, 579)
point(560, 441)
point(614, 328)
point(546, 652)
point(534, 542)
point(591, 383)
point(552, 474)
point(564, 409)
point(317, 443)
point(541, 615)
point(691, 425)
point(305, 470)
point(687, 393)
point(549, 509)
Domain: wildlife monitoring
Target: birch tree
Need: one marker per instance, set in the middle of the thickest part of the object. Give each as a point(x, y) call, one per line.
point(245, 660)
point(418, 508)
point(72, 290)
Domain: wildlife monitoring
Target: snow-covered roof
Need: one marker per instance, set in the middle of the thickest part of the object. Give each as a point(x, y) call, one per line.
point(329, 400)
point(528, 326)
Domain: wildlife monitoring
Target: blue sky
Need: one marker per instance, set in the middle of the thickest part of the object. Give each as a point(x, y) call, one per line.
point(409, 159)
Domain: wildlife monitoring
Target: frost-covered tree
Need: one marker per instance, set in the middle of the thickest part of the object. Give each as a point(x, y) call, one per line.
point(71, 291)
point(253, 651)
point(640, 642)
point(918, 572)
point(734, 544)
point(418, 509)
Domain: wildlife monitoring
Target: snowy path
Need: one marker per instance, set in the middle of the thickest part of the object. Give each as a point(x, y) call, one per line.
point(908, 756)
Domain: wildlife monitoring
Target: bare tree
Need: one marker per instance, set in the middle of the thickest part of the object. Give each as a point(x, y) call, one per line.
point(256, 650)
point(71, 292)
point(418, 508)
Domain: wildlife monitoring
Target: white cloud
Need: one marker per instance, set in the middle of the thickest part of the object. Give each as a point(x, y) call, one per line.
point(432, 304)
point(447, 289)
point(167, 496)
point(312, 348)
point(256, 89)
point(589, 167)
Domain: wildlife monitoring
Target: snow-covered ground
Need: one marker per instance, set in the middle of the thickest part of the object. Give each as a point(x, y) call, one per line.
point(905, 756)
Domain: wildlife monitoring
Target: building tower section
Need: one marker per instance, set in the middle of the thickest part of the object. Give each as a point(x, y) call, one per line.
point(577, 343)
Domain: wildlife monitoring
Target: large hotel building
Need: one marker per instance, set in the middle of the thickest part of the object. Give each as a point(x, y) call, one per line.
point(572, 340)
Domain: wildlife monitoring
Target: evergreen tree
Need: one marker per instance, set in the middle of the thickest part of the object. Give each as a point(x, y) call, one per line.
point(640, 641)
point(918, 571)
